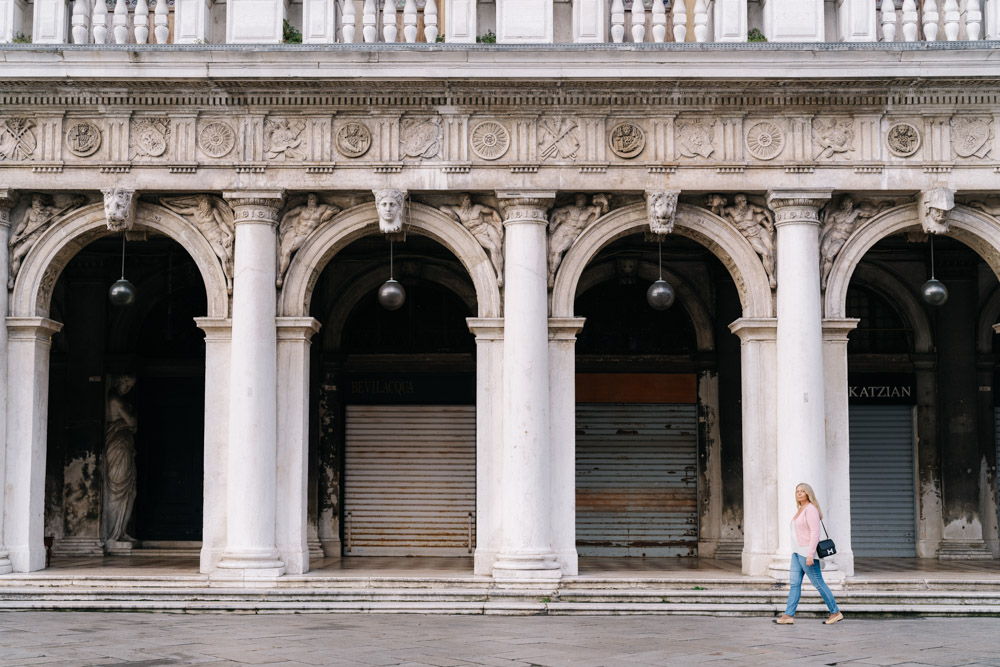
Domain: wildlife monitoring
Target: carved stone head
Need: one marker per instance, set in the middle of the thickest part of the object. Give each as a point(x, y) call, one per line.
point(933, 208)
point(123, 384)
point(390, 209)
point(662, 207)
point(119, 208)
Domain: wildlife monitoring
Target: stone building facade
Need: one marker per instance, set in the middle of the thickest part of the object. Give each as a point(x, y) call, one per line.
point(525, 405)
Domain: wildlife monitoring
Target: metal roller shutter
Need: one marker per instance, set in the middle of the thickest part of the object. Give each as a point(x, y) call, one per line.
point(883, 495)
point(636, 480)
point(410, 480)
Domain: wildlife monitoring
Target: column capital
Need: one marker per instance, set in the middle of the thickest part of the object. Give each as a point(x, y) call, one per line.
point(255, 206)
point(485, 328)
point(836, 329)
point(565, 328)
point(798, 206)
point(25, 328)
point(8, 200)
point(755, 329)
point(530, 206)
point(297, 328)
point(215, 328)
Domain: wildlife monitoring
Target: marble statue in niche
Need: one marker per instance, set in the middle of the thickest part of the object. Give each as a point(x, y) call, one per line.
point(389, 204)
point(838, 223)
point(119, 208)
point(33, 224)
point(566, 223)
point(485, 224)
point(662, 208)
point(296, 225)
point(755, 222)
point(933, 207)
point(214, 219)
point(118, 470)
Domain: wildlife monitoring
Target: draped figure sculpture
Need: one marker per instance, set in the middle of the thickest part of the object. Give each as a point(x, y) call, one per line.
point(118, 470)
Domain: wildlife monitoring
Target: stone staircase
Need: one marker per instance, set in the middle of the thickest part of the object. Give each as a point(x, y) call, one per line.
point(742, 596)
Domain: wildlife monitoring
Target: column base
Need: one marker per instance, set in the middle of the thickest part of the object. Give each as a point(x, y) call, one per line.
point(315, 549)
point(964, 550)
point(482, 562)
point(261, 564)
point(729, 550)
point(26, 559)
point(331, 548)
point(5, 564)
point(781, 566)
point(210, 557)
point(526, 567)
point(755, 564)
point(78, 547)
point(568, 562)
point(296, 562)
point(116, 548)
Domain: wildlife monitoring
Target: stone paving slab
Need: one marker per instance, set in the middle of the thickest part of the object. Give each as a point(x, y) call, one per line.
point(81, 639)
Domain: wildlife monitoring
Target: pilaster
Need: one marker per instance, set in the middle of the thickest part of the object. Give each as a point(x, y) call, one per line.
point(8, 200)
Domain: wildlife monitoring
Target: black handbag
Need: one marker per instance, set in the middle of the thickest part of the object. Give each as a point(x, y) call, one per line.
point(825, 547)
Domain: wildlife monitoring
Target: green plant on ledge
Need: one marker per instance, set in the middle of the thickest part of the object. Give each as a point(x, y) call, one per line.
point(756, 35)
point(488, 37)
point(21, 38)
point(290, 35)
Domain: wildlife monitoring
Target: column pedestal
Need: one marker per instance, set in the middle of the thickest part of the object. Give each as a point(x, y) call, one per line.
point(526, 549)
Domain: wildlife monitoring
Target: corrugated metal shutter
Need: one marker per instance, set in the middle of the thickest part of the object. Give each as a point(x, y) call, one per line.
point(636, 480)
point(883, 495)
point(410, 480)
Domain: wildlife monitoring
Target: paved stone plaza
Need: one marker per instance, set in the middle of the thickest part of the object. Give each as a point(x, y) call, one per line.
point(166, 639)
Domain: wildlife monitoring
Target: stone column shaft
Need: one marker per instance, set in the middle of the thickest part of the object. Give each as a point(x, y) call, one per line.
point(294, 336)
point(8, 199)
point(801, 431)
point(526, 549)
point(252, 456)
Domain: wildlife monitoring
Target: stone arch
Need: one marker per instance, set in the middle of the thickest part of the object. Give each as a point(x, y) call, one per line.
point(903, 300)
point(686, 297)
point(976, 229)
point(361, 285)
point(362, 220)
point(989, 314)
point(67, 235)
point(692, 222)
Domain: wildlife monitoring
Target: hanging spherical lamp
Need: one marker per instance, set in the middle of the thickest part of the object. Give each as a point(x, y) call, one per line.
point(391, 295)
point(122, 293)
point(933, 292)
point(660, 294)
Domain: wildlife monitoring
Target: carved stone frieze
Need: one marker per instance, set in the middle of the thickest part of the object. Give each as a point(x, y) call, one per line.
point(489, 140)
point(119, 208)
point(834, 137)
point(558, 139)
point(662, 208)
point(903, 139)
point(971, 136)
point(353, 139)
point(754, 221)
point(695, 138)
point(296, 225)
point(284, 140)
point(765, 140)
point(17, 139)
point(214, 219)
point(566, 223)
point(420, 137)
point(627, 140)
point(83, 139)
point(933, 207)
point(216, 139)
point(485, 224)
point(839, 221)
point(35, 220)
point(148, 136)
point(389, 203)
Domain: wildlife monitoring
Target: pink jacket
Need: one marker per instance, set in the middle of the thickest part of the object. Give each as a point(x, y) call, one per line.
point(807, 527)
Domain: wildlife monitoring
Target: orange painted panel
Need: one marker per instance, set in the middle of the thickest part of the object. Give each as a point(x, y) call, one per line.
point(636, 388)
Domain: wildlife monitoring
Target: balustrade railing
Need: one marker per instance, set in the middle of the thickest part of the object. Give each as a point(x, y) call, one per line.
point(507, 21)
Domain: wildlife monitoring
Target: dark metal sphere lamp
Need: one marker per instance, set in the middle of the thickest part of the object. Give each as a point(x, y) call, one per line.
point(660, 294)
point(122, 293)
point(391, 295)
point(933, 292)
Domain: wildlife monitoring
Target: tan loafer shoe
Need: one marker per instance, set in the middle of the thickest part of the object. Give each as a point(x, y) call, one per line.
point(834, 618)
point(784, 619)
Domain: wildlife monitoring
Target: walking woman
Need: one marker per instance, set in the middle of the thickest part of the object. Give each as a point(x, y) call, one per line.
point(805, 537)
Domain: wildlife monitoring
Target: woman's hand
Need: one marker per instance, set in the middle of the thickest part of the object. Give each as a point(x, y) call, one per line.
point(809, 561)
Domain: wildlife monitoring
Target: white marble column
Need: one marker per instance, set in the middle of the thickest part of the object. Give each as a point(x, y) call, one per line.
point(489, 444)
point(294, 336)
point(801, 432)
point(526, 549)
point(29, 340)
point(837, 507)
point(252, 457)
point(760, 464)
point(562, 431)
point(218, 337)
point(8, 199)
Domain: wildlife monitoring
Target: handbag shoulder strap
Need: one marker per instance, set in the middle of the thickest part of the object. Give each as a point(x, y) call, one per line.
point(824, 528)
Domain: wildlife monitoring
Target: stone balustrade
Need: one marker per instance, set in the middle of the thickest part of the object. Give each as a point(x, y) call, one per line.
point(503, 21)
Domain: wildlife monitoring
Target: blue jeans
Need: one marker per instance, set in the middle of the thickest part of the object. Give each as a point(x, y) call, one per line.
point(799, 568)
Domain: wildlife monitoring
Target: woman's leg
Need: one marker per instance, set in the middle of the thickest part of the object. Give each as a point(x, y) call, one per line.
point(816, 577)
point(794, 584)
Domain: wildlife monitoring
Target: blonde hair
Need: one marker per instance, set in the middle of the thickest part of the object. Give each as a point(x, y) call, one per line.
point(811, 495)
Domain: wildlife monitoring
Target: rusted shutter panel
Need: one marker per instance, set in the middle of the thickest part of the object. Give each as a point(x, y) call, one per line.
point(883, 495)
point(636, 480)
point(410, 480)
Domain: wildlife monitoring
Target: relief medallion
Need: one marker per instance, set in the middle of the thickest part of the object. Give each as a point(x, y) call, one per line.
point(489, 140)
point(765, 141)
point(627, 140)
point(354, 140)
point(83, 138)
point(903, 139)
point(216, 139)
